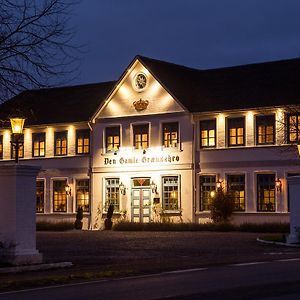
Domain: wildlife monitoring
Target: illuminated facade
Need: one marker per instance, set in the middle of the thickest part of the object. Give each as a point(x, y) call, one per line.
point(158, 142)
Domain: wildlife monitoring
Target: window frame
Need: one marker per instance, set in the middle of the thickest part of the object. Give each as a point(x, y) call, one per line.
point(65, 180)
point(239, 209)
point(59, 135)
point(77, 188)
point(39, 134)
point(82, 134)
point(141, 133)
point(212, 187)
point(175, 209)
point(259, 121)
point(21, 148)
point(118, 193)
point(259, 204)
point(297, 115)
point(106, 139)
point(208, 128)
point(44, 195)
point(236, 136)
point(163, 135)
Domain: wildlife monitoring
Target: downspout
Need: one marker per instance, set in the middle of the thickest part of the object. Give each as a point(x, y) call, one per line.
point(90, 174)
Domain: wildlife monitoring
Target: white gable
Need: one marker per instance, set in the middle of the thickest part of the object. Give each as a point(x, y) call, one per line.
point(121, 101)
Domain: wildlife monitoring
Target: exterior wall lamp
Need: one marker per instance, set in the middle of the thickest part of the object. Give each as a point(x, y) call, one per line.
point(68, 190)
point(17, 124)
point(278, 185)
point(219, 184)
point(153, 187)
point(122, 188)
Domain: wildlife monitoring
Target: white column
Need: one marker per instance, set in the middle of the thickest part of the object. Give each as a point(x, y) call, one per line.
point(294, 197)
point(17, 214)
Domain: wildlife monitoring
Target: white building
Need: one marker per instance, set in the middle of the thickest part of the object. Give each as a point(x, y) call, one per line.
point(158, 141)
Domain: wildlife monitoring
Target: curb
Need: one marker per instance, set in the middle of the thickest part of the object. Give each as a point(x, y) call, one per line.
point(277, 243)
point(39, 267)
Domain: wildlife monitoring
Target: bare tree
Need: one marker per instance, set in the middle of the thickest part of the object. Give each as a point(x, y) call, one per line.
point(35, 45)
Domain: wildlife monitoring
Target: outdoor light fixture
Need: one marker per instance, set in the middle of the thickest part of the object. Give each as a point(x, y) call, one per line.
point(153, 187)
point(122, 188)
point(219, 184)
point(68, 190)
point(278, 185)
point(17, 124)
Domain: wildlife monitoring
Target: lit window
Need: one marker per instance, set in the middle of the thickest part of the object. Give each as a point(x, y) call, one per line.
point(293, 128)
point(265, 130)
point(236, 186)
point(208, 133)
point(59, 196)
point(170, 193)
point(82, 141)
point(207, 185)
point(21, 149)
point(236, 131)
point(170, 135)
point(61, 142)
point(40, 196)
point(1, 146)
point(112, 138)
point(266, 192)
point(82, 194)
point(141, 136)
point(38, 144)
point(112, 194)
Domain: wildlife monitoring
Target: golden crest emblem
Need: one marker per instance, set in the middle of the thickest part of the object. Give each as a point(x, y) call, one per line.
point(140, 104)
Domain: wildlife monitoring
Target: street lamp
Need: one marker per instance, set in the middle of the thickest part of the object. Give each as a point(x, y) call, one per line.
point(17, 124)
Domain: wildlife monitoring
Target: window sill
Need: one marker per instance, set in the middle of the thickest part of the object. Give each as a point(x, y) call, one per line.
point(172, 212)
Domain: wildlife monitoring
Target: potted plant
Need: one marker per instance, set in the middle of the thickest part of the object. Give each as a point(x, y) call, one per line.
point(79, 217)
point(108, 222)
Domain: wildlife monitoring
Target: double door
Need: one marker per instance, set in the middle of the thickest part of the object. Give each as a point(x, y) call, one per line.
point(141, 204)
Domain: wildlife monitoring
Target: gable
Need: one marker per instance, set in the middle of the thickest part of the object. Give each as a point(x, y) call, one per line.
point(128, 100)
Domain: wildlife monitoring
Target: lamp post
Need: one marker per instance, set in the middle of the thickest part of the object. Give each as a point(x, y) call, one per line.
point(17, 124)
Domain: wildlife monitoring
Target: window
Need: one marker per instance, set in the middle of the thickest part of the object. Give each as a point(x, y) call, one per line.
point(38, 144)
point(236, 186)
point(265, 192)
point(170, 135)
point(170, 193)
point(236, 131)
point(82, 141)
point(112, 194)
point(40, 196)
point(21, 148)
point(112, 138)
point(293, 128)
point(207, 185)
point(1, 146)
point(59, 196)
point(82, 194)
point(265, 130)
point(208, 133)
point(141, 136)
point(61, 143)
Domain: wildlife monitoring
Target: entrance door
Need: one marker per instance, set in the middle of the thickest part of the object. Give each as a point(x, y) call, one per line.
point(141, 205)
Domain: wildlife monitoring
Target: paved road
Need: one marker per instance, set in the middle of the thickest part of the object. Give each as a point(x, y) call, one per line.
point(277, 280)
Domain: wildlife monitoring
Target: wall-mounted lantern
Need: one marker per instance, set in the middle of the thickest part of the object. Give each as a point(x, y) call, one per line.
point(68, 190)
point(17, 124)
point(278, 185)
point(122, 188)
point(153, 187)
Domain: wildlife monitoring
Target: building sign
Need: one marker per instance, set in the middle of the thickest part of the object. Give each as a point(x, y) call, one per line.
point(141, 160)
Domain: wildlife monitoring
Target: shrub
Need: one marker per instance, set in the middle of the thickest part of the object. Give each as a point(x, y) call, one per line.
point(79, 217)
point(54, 226)
point(108, 222)
point(221, 207)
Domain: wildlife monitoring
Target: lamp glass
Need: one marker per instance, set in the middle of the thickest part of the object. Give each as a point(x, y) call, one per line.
point(17, 125)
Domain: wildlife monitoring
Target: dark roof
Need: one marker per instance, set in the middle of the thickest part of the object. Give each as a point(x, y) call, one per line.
point(257, 85)
point(58, 105)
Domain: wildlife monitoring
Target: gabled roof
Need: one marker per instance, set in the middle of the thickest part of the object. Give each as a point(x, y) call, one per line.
point(256, 85)
point(58, 105)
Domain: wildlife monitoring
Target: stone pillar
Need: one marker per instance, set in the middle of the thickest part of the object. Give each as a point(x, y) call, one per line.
point(17, 214)
point(294, 197)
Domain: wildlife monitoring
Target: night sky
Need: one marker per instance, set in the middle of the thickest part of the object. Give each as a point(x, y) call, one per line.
point(196, 33)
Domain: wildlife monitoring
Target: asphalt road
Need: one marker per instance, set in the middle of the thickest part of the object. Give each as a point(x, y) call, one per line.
point(277, 280)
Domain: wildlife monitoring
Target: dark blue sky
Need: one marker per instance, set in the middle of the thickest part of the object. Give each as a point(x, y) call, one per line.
point(195, 33)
